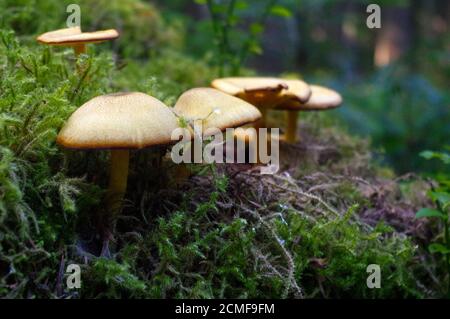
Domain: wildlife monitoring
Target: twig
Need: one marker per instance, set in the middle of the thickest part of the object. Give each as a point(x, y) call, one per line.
point(299, 192)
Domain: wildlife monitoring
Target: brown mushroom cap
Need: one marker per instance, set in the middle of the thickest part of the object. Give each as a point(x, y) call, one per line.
point(119, 121)
point(74, 35)
point(215, 108)
point(322, 98)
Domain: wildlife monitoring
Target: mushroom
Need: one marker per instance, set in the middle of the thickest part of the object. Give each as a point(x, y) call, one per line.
point(263, 92)
point(297, 90)
point(215, 109)
point(321, 99)
point(75, 38)
point(119, 122)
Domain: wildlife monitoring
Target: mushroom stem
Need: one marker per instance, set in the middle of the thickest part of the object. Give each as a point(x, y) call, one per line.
point(79, 48)
point(181, 172)
point(261, 123)
point(291, 129)
point(117, 181)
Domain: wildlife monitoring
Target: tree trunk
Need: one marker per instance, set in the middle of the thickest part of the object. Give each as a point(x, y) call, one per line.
point(394, 37)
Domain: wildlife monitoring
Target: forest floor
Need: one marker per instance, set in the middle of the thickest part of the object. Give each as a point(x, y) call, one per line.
point(328, 212)
point(310, 230)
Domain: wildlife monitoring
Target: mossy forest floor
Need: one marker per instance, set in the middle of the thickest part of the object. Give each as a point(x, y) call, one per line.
point(309, 231)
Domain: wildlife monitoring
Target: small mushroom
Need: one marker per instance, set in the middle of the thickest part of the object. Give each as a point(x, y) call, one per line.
point(119, 122)
point(215, 109)
point(75, 38)
point(321, 99)
point(263, 92)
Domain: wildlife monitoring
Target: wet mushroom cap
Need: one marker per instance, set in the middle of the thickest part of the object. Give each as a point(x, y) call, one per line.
point(119, 121)
point(75, 36)
point(215, 108)
point(321, 98)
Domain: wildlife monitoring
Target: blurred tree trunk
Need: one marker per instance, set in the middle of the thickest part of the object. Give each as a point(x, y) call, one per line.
point(348, 34)
point(394, 37)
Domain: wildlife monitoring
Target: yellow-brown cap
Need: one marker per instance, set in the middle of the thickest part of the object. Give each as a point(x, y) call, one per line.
point(215, 108)
point(72, 36)
point(119, 121)
point(322, 98)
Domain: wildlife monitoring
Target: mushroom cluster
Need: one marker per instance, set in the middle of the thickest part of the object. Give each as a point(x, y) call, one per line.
point(121, 122)
point(291, 96)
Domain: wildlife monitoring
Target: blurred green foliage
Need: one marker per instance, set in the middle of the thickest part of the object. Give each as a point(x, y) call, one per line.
point(403, 113)
point(403, 107)
point(238, 33)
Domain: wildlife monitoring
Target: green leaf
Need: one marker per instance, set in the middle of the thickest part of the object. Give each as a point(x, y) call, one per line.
point(219, 8)
point(182, 122)
point(256, 28)
point(241, 5)
point(200, 1)
point(427, 154)
point(281, 11)
point(255, 48)
point(442, 197)
point(439, 248)
point(429, 212)
point(233, 20)
point(445, 158)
